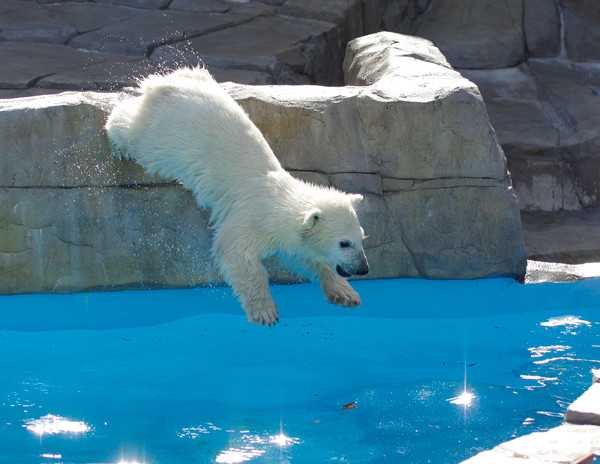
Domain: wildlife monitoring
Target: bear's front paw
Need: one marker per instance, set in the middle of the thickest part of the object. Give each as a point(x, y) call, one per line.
point(266, 314)
point(342, 294)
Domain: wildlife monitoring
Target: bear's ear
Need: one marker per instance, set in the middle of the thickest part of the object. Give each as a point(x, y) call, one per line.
point(355, 199)
point(312, 218)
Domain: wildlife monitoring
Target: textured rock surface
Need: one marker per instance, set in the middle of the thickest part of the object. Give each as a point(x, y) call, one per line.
point(413, 137)
point(538, 66)
point(547, 118)
point(572, 442)
point(476, 33)
point(536, 61)
point(73, 217)
point(561, 445)
point(582, 29)
point(101, 45)
point(566, 237)
point(585, 410)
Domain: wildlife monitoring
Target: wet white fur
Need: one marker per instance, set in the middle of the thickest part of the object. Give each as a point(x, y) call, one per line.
point(185, 126)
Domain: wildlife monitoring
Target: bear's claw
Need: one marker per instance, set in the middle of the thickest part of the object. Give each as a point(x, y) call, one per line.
point(264, 316)
point(342, 294)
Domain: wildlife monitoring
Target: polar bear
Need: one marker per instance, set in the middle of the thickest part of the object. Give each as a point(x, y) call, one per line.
point(186, 127)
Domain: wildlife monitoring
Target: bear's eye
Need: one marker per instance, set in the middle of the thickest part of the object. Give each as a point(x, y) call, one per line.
point(345, 244)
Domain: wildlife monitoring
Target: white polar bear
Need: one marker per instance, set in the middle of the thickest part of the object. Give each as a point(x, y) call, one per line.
point(185, 126)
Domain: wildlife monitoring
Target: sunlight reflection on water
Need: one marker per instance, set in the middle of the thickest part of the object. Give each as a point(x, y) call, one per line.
point(52, 425)
point(235, 456)
point(464, 399)
point(573, 321)
point(243, 445)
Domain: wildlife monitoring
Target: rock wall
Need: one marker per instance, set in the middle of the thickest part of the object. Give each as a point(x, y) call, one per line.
point(49, 46)
point(537, 63)
point(409, 133)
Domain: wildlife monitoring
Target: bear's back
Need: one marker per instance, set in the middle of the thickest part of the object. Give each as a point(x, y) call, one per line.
point(187, 127)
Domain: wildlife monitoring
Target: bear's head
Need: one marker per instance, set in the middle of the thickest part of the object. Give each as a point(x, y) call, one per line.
point(332, 234)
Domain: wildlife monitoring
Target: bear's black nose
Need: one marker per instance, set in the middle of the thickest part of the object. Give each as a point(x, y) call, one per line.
point(363, 269)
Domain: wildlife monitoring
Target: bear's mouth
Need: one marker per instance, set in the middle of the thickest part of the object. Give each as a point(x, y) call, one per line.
point(341, 271)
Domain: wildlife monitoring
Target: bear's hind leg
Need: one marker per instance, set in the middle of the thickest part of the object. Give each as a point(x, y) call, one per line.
point(249, 280)
point(250, 283)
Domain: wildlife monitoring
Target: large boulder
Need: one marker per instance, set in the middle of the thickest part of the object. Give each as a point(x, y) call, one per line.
point(408, 132)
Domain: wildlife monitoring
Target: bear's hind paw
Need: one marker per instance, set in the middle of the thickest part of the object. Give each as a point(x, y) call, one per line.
point(264, 316)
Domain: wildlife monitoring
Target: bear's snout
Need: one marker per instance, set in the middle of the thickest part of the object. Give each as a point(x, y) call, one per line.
point(361, 268)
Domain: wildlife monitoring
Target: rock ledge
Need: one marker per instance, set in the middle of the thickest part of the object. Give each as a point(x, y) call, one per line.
point(408, 132)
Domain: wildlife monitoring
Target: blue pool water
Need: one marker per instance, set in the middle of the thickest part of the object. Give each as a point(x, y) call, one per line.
point(424, 371)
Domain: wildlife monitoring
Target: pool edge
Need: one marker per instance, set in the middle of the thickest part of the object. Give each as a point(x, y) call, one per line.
point(574, 441)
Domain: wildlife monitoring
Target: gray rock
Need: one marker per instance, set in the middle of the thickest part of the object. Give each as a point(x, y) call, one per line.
point(85, 17)
point(547, 236)
point(561, 445)
point(414, 140)
point(206, 6)
point(397, 16)
point(149, 4)
point(448, 230)
point(33, 24)
point(111, 73)
point(9, 6)
point(557, 272)
point(333, 11)
point(241, 76)
point(541, 22)
point(529, 138)
point(43, 60)
point(141, 33)
point(585, 410)
point(516, 112)
point(64, 240)
point(545, 114)
point(475, 33)
point(572, 442)
point(62, 139)
point(282, 47)
point(582, 29)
